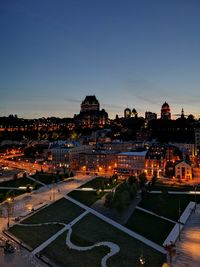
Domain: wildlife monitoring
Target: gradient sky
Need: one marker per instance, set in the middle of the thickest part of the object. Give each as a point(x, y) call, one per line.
point(129, 53)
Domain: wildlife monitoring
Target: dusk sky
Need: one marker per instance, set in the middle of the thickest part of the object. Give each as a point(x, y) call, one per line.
point(129, 53)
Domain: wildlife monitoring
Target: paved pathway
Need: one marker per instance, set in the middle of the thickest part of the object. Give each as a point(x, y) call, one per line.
point(20, 258)
point(114, 214)
point(119, 226)
point(188, 248)
point(114, 248)
point(52, 238)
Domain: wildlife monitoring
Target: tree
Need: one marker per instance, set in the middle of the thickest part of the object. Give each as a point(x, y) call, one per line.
point(121, 200)
point(154, 180)
point(132, 180)
point(108, 199)
point(133, 191)
point(142, 179)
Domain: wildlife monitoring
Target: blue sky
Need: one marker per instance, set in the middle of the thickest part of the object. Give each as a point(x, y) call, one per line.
point(129, 53)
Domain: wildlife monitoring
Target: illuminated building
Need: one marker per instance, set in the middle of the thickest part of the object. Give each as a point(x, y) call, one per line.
point(183, 170)
point(131, 163)
point(90, 115)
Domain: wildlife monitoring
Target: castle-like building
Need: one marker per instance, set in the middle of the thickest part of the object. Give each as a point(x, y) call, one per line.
point(165, 111)
point(90, 115)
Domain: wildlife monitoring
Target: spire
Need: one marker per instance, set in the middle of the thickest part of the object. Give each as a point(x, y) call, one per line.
point(182, 114)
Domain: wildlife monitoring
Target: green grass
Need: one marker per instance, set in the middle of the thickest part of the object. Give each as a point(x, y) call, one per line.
point(95, 230)
point(60, 211)
point(62, 256)
point(91, 230)
point(167, 205)
point(150, 226)
point(174, 187)
point(33, 236)
point(99, 182)
point(15, 183)
point(86, 197)
point(48, 178)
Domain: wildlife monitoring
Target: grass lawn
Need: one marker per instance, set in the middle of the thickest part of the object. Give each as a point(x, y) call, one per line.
point(167, 204)
point(60, 211)
point(173, 187)
point(150, 226)
point(91, 230)
point(15, 183)
point(95, 230)
point(47, 178)
point(99, 182)
point(33, 236)
point(62, 256)
point(86, 197)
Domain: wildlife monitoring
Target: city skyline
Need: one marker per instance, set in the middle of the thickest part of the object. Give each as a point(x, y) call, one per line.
point(135, 54)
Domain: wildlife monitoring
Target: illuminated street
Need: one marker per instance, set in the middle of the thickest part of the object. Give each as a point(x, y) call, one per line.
point(188, 247)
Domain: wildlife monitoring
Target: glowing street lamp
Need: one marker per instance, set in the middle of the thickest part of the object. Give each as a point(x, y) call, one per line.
point(9, 200)
point(142, 258)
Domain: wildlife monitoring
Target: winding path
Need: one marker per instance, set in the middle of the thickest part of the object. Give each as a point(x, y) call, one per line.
point(112, 246)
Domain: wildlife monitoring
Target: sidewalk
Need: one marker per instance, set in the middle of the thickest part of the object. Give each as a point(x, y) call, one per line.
point(119, 226)
point(114, 214)
point(188, 248)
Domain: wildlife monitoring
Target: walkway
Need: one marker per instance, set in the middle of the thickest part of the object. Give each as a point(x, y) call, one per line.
point(188, 248)
point(119, 226)
point(114, 248)
point(114, 214)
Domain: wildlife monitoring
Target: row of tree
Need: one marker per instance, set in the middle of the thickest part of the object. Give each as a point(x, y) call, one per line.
point(125, 192)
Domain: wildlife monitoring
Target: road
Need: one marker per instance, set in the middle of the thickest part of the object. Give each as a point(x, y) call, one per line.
point(20, 164)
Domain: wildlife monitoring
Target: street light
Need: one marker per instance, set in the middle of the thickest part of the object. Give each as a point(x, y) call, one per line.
point(8, 211)
point(142, 258)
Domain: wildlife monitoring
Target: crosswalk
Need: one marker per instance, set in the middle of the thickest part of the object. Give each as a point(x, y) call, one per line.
point(189, 245)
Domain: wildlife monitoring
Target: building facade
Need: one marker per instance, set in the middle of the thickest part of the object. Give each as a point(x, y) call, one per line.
point(183, 170)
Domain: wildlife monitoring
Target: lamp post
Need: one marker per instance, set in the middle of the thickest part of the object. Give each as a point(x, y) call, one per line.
point(142, 258)
point(8, 211)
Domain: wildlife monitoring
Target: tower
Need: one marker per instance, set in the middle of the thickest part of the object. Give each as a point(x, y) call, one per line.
point(127, 113)
point(165, 111)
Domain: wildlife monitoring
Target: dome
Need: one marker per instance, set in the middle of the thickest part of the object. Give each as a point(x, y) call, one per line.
point(165, 105)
